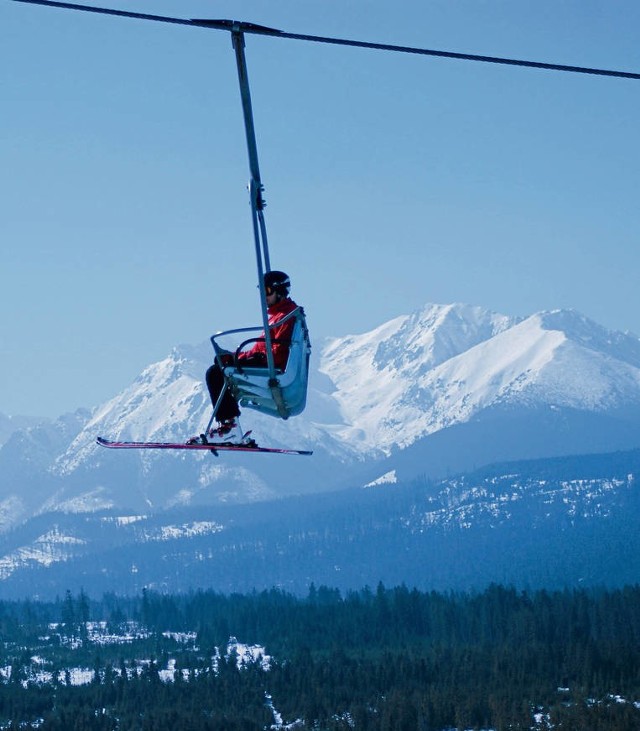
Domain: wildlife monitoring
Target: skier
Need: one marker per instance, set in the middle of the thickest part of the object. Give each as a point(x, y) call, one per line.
point(279, 304)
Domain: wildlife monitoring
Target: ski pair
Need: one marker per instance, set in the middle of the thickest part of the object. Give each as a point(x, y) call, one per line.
point(199, 446)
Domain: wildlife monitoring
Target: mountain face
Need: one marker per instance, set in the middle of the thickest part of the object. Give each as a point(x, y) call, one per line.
point(443, 367)
point(445, 389)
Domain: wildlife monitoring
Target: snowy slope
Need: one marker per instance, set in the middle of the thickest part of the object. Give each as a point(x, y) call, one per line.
point(444, 365)
point(388, 381)
point(165, 403)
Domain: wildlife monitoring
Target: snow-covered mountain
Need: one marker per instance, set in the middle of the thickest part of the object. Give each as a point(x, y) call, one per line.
point(443, 366)
point(443, 389)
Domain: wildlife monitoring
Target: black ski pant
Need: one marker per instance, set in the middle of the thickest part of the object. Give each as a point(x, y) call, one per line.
point(228, 408)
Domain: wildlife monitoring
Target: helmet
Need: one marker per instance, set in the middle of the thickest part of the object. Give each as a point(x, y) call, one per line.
point(277, 281)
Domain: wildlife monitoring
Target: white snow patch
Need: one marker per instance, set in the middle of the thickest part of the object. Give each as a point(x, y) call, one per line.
point(248, 654)
point(86, 502)
point(389, 478)
point(127, 519)
point(187, 530)
point(47, 549)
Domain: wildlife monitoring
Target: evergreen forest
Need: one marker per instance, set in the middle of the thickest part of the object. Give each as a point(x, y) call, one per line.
point(392, 659)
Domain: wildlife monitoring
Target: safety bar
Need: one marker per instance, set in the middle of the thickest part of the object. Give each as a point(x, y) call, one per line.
point(221, 351)
point(236, 356)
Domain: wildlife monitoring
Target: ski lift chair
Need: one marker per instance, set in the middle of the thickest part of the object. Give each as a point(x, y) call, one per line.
point(280, 393)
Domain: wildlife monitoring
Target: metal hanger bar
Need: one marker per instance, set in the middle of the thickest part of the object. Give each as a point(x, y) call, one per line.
point(255, 189)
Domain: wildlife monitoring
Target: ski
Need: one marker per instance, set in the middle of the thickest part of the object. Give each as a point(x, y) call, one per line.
point(215, 448)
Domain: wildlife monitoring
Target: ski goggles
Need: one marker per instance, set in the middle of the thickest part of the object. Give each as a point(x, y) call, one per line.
point(281, 287)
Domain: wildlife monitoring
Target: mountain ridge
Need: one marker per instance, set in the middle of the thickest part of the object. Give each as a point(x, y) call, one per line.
point(442, 389)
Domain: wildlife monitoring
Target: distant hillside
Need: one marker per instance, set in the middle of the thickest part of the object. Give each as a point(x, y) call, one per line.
point(547, 523)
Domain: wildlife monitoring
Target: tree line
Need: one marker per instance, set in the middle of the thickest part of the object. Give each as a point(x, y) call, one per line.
point(374, 659)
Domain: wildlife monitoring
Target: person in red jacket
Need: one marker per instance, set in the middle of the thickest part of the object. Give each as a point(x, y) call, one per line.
point(279, 305)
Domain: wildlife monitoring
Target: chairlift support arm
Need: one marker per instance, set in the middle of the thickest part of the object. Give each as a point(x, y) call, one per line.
point(255, 187)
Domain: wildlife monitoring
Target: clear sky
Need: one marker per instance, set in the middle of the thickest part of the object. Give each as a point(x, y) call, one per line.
point(391, 180)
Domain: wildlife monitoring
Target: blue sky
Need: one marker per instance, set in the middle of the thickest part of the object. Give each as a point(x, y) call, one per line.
point(391, 180)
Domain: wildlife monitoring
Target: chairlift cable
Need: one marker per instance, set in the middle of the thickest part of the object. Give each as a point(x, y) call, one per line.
point(459, 56)
point(273, 32)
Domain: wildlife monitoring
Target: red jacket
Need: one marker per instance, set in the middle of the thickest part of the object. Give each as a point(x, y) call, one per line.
point(283, 332)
